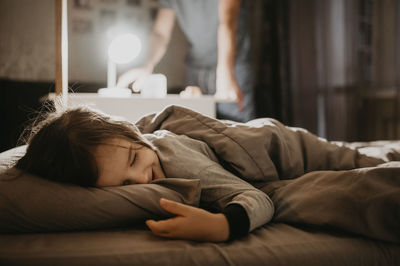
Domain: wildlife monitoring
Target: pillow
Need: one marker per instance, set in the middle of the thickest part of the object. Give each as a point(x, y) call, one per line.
point(32, 204)
point(364, 201)
point(10, 157)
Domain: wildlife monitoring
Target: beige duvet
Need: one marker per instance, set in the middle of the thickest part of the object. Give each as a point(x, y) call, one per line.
point(310, 180)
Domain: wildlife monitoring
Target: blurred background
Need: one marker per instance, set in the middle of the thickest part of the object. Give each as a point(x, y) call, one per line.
point(331, 66)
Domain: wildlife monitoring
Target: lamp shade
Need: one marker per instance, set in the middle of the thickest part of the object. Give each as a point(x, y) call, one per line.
point(124, 48)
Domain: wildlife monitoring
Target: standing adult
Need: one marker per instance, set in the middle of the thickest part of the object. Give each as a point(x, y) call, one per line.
point(219, 58)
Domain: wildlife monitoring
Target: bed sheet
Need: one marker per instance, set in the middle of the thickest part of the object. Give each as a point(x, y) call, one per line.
point(273, 244)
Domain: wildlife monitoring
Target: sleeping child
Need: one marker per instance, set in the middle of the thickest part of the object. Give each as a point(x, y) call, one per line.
point(85, 147)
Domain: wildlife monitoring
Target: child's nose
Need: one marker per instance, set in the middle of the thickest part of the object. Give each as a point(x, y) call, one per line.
point(141, 178)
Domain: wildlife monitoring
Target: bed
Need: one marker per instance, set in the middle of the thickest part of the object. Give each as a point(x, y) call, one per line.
point(275, 244)
point(335, 217)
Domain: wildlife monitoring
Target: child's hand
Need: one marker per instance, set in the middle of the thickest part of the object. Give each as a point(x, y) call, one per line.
point(190, 223)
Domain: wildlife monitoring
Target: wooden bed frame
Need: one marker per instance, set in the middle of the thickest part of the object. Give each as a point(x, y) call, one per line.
point(61, 48)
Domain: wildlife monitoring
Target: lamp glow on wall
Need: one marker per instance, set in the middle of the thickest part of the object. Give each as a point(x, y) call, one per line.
point(121, 50)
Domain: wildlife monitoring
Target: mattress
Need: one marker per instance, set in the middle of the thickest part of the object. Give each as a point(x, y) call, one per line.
point(273, 244)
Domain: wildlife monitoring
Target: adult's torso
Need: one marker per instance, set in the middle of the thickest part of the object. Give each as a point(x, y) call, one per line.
point(199, 21)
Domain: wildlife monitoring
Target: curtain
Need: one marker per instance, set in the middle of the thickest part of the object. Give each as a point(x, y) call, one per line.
point(271, 35)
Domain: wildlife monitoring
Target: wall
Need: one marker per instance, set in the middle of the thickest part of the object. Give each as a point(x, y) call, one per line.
point(94, 25)
point(26, 63)
point(27, 39)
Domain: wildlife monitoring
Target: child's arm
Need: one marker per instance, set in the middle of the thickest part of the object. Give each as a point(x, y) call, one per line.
point(242, 209)
point(191, 223)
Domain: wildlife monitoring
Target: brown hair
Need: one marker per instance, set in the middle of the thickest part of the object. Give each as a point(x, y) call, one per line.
point(61, 147)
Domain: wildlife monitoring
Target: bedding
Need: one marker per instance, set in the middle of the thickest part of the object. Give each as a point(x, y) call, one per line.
point(364, 199)
point(261, 150)
point(274, 244)
point(322, 217)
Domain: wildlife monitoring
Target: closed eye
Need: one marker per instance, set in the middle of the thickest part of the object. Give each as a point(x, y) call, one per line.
point(126, 182)
point(134, 156)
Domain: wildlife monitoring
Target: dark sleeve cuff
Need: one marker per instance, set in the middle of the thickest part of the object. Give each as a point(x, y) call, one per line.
point(238, 220)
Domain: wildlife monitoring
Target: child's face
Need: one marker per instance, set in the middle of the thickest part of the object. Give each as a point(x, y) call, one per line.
point(123, 162)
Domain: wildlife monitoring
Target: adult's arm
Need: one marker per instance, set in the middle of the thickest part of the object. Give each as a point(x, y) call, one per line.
point(159, 39)
point(161, 35)
point(227, 86)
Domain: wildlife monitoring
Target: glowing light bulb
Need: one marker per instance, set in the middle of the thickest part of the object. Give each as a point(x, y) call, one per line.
point(124, 48)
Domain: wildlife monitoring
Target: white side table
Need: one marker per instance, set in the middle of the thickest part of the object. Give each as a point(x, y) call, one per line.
point(134, 107)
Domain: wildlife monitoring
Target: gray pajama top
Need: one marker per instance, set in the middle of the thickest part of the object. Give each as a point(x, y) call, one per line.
point(184, 157)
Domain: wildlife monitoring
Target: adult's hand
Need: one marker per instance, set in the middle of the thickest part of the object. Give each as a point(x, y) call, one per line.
point(228, 89)
point(133, 75)
point(191, 223)
point(191, 92)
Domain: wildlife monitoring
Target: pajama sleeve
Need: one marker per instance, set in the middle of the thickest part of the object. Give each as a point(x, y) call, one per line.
point(239, 223)
point(225, 192)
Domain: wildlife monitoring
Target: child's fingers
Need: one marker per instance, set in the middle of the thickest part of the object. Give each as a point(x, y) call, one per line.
point(163, 227)
point(175, 207)
point(153, 225)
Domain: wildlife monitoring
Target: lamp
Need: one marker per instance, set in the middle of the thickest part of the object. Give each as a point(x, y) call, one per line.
point(122, 49)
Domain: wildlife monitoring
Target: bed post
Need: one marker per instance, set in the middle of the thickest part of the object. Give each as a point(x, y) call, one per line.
point(61, 49)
